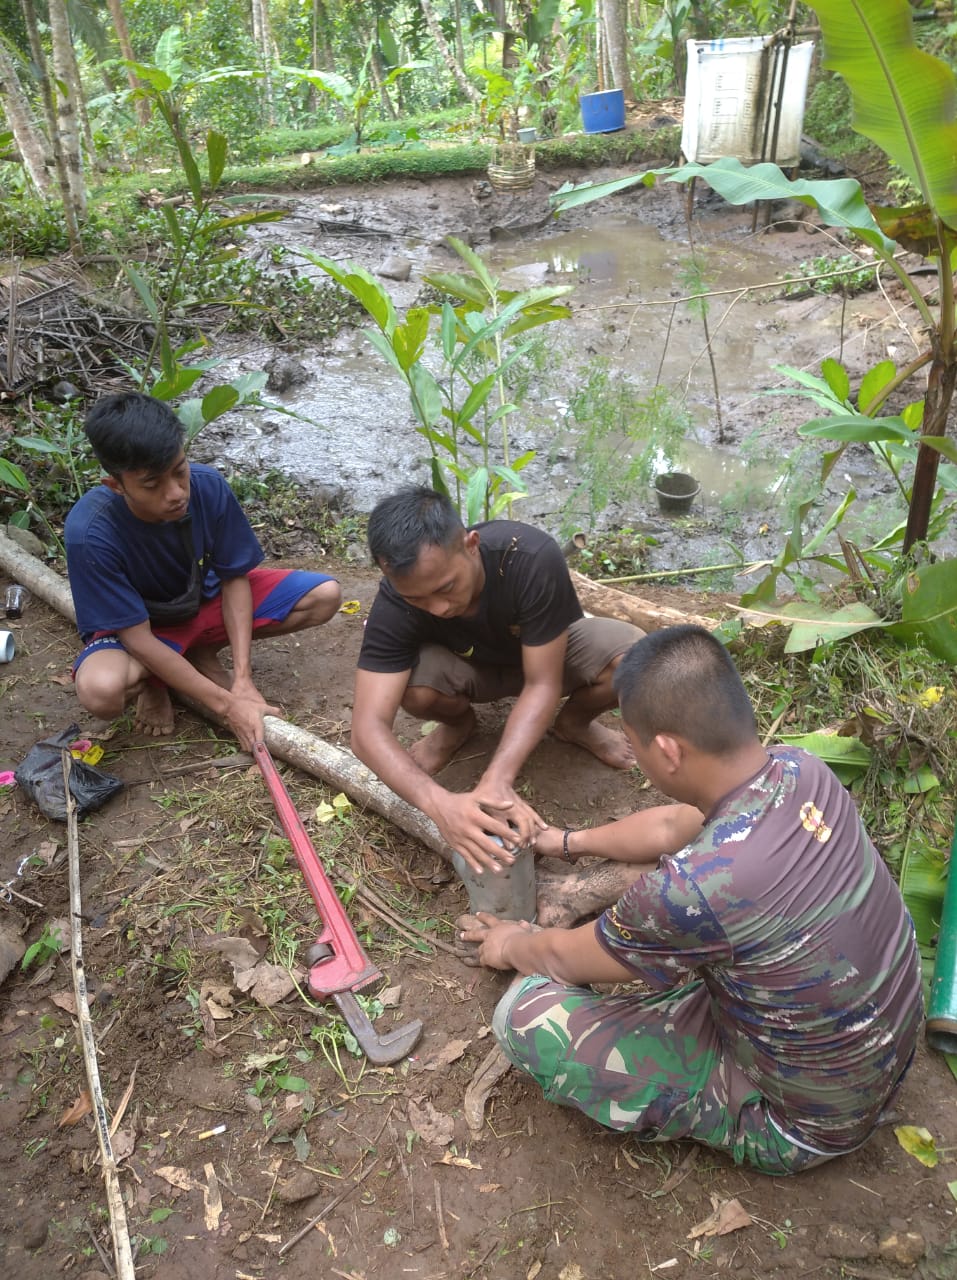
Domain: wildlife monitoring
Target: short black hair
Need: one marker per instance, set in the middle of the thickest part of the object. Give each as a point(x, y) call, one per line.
point(405, 522)
point(130, 431)
point(681, 680)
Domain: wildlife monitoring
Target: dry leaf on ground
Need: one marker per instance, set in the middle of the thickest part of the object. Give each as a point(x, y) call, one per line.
point(269, 983)
point(728, 1215)
point(431, 1126)
point(450, 1052)
point(80, 1108)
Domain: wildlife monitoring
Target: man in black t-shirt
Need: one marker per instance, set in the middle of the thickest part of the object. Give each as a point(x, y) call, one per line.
point(465, 616)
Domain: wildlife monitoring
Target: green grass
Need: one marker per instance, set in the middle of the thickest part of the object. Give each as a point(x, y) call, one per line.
point(378, 161)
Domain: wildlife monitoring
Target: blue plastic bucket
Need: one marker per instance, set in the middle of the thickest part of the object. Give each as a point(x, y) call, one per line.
point(603, 112)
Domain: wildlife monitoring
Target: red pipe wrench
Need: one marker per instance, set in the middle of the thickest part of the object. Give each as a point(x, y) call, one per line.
point(338, 965)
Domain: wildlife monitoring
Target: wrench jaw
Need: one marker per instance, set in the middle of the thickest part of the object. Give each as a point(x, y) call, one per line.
point(322, 979)
point(381, 1050)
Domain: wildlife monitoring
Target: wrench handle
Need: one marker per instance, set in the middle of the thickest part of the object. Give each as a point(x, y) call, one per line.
point(348, 968)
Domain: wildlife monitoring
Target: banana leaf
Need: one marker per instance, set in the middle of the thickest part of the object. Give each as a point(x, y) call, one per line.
point(929, 609)
point(838, 201)
point(923, 882)
point(903, 99)
point(848, 757)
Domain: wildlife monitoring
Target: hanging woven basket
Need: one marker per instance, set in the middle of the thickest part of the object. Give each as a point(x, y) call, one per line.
point(512, 167)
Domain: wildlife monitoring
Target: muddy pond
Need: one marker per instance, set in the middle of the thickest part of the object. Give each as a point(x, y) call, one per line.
point(630, 267)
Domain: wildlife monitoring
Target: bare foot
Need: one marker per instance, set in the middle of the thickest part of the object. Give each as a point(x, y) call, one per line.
point(154, 712)
point(433, 752)
point(610, 746)
point(562, 900)
point(207, 663)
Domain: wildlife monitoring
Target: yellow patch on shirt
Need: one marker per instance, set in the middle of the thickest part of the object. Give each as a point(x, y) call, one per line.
point(812, 819)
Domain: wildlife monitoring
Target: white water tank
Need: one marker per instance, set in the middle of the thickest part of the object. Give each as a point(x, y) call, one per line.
point(730, 92)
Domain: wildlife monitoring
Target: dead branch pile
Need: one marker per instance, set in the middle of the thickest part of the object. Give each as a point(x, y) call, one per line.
point(55, 326)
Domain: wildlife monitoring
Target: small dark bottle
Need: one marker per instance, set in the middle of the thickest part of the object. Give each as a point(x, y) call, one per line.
point(15, 601)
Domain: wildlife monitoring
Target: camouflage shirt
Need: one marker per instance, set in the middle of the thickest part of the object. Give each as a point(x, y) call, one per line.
point(784, 909)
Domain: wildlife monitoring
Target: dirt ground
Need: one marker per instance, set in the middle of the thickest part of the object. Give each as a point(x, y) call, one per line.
point(539, 1192)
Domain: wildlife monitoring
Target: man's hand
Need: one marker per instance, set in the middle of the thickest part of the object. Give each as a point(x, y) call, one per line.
point(504, 802)
point(492, 936)
point(467, 828)
point(548, 843)
point(572, 956)
point(244, 715)
point(468, 821)
point(243, 687)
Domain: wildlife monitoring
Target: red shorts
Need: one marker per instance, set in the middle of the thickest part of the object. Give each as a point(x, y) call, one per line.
point(275, 593)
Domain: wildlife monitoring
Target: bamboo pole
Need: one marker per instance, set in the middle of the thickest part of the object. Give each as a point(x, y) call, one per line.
point(122, 1251)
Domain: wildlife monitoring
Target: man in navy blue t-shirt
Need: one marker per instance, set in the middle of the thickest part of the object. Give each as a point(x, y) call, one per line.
point(163, 566)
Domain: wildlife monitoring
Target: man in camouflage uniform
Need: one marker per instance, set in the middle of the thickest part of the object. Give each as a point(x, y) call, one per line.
point(785, 990)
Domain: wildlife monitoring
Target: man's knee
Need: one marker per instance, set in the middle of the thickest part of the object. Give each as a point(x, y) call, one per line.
point(420, 700)
point(102, 689)
point(318, 605)
point(502, 1021)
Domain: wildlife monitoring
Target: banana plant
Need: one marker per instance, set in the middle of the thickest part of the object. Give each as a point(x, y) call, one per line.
point(461, 412)
point(904, 101)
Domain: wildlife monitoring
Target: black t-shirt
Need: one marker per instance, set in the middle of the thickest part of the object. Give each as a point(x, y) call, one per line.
point(528, 599)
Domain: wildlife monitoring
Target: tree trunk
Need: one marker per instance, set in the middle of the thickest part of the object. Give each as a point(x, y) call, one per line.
point(941, 381)
point(446, 54)
point(375, 70)
point(67, 140)
point(40, 63)
point(608, 602)
point(459, 42)
point(262, 37)
point(614, 30)
point(76, 92)
point(30, 141)
point(49, 111)
point(126, 48)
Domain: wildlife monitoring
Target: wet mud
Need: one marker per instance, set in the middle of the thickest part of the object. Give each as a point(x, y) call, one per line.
point(628, 260)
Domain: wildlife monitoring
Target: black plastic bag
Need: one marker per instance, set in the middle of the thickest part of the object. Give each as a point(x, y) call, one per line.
point(41, 777)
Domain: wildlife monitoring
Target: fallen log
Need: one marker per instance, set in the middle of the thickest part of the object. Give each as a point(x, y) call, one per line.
point(40, 580)
point(609, 602)
point(320, 759)
point(288, 742)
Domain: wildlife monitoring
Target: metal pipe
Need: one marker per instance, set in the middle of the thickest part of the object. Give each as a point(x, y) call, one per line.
point(942, 1008)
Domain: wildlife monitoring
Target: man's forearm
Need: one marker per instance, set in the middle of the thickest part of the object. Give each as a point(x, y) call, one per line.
point(523, 731)
point(640, 837)
point(237, 602)
point(571, 956)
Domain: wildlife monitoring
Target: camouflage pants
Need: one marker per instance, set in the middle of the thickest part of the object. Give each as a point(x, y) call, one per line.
point(651, 1064)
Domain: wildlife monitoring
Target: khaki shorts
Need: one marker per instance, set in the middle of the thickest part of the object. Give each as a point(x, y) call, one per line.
point(592, 644)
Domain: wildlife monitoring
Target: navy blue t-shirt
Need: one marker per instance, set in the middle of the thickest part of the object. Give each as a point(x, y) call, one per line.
point(116, 561)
